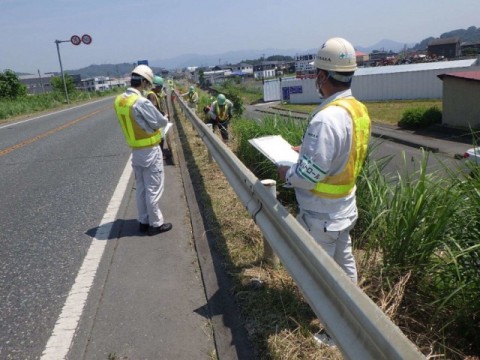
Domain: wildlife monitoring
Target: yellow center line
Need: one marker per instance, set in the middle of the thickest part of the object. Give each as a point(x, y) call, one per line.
point(50, 132)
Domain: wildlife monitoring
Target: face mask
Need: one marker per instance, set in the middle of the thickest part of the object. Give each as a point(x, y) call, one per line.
point(319, 87)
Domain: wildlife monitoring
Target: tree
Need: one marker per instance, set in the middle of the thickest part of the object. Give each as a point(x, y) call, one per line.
point(10, 86)
point(57, 84)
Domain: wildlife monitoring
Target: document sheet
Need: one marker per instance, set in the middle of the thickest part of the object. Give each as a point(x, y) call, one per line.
point(276, 149)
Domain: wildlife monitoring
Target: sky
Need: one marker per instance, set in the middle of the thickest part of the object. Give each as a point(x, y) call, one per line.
point(125, 31)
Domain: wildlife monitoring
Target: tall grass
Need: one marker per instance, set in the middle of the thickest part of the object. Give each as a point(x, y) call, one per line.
point(416, 228)
point(34, 103)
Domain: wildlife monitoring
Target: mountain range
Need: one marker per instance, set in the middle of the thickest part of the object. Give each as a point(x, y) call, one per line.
point(472, 34)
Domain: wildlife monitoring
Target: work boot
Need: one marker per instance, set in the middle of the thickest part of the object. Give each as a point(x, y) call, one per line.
point(154, 230)
point(143, 228)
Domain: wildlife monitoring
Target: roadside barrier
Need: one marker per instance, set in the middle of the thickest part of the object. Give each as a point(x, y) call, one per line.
point(360, 329)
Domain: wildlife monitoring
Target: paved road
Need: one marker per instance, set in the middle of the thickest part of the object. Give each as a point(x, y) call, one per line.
point(76, 279)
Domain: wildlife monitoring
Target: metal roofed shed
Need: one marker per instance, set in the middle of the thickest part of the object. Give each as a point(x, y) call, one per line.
point(461, 91)
point(405, 82)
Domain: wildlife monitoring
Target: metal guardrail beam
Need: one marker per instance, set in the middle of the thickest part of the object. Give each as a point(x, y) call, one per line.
point(360, 329)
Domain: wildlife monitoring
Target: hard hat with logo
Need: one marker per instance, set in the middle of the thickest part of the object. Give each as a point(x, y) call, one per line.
point(221, 99)
point(144, 71)
point(336, 54)
point(157, 80)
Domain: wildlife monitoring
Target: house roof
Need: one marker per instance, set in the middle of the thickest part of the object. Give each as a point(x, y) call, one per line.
point(451, 40)
point(467, 75)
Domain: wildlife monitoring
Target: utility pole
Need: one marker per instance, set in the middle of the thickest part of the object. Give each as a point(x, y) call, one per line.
point(61, 68)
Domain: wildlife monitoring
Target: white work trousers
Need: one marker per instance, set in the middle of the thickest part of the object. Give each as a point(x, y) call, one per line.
point(149, 182)
point(337, 244)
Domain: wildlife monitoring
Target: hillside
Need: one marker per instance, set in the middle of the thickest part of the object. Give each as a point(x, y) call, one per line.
point(472, 34)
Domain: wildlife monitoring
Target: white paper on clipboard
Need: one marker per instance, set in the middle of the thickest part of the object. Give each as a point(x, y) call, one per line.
point(276, 149)
point(166, 128)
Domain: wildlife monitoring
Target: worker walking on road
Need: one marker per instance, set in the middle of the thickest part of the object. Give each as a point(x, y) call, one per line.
point(221, 112)
point(141, 122)
point(192, 98)
point(331, 156)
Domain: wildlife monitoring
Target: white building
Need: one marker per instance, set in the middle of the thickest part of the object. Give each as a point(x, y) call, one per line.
point(102, 83)
point(395, 82)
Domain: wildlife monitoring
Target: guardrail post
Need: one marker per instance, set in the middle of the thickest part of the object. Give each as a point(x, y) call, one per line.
point(268, 254)
point(210, 157)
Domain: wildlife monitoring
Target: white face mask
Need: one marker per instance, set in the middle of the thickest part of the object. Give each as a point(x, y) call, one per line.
point(319, 87)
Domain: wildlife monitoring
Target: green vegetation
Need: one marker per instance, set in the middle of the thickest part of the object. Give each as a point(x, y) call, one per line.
point(10, 86)
point(387, 112)
point(29, 104)
point(416, 242)
point(420, 117)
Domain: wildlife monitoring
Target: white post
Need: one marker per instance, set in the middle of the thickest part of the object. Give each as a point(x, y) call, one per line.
point(210, 157)
point(268, 254)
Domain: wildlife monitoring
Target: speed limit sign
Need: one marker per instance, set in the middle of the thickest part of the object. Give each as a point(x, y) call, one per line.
point(87, 39)
point(75, 40)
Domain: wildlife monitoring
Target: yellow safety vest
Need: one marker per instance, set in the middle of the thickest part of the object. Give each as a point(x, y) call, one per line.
point(222, 115)
point(342, 184)
point(157, 98)
point(191, 97)
point(136, 137)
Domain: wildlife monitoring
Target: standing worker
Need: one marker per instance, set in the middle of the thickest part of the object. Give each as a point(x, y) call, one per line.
point(141, 123)
point(158, 98)
point(192, 98)
point(331, 156)
point(221, 112)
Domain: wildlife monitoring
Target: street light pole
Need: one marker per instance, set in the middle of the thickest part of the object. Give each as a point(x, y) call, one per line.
point(61, 68)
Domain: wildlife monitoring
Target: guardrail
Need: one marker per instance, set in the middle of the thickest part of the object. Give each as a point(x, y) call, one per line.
point(360, 329)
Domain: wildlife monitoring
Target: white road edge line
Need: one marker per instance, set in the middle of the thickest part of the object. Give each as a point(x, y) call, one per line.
point(61, 339)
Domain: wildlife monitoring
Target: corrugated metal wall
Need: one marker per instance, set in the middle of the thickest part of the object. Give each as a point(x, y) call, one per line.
point(377, 86)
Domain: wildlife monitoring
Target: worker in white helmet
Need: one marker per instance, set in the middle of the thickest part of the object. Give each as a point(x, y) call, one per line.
point(331, 156)
point(141, 122)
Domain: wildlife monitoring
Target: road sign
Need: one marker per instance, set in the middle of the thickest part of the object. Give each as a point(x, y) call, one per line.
point(142, 62)
point(87, 39)
point(75, 40)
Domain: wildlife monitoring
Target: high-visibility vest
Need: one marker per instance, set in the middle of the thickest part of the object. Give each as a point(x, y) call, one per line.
point(342, 184)
point(222, 114)
point(192, 97)
point(157, 98)
point(136, 137)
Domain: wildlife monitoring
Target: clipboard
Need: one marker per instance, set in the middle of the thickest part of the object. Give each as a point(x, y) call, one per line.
point(276, 149)
point(165, 129)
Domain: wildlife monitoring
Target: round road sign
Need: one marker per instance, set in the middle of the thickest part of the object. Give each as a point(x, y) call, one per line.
point(87, 39)
point(75, 40)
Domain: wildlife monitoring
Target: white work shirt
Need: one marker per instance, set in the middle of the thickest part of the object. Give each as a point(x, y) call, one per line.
point(147, 116)
point(324, 152)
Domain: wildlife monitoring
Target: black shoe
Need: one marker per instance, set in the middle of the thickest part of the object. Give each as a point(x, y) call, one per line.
point(143, 228)
point(154, 230)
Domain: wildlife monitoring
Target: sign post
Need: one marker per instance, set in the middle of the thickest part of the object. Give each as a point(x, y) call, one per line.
point(75, 40)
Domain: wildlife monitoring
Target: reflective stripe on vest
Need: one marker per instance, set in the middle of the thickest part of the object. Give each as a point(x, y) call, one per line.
point(222, 115)
point(342, 184)
point(135, 136)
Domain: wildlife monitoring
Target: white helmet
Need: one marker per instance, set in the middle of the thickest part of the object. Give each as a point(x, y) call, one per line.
point(145, 72)
point(336, 54)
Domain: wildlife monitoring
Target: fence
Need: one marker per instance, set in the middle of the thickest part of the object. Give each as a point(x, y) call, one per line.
point(360, 329)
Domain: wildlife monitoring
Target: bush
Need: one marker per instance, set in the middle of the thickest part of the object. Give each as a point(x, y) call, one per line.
point(419, 117)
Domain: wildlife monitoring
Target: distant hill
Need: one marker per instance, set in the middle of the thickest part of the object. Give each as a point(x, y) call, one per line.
point(472, 34)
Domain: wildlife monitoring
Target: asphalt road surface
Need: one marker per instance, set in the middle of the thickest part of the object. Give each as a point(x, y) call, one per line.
point(58, 173)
